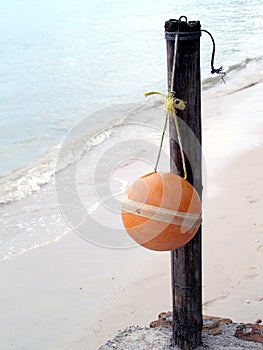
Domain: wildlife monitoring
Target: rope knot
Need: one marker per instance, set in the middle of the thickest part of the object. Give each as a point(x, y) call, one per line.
point(171, 103)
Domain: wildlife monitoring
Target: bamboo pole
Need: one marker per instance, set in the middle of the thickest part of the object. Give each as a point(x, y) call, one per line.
point(186, 263)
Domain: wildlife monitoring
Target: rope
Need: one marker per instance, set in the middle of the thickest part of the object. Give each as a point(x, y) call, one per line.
point(174, 61)
point(171, 104)
point(180, 144)
point(213, 69)
point(183, 35)
point(179, 36)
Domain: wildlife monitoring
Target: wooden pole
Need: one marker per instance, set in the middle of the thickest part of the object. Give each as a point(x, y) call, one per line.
point(186, 261)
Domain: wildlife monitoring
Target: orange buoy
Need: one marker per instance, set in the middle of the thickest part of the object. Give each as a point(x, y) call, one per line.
point(161, 211)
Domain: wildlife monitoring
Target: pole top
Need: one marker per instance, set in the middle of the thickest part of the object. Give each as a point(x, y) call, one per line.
point(182, 25)
point(186, 30)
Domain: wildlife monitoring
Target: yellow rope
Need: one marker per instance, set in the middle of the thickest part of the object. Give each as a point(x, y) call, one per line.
point(180, 144)
point(171, 104)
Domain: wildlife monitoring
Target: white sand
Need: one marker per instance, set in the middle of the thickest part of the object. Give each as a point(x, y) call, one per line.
point(233, 227)
point(74, 295)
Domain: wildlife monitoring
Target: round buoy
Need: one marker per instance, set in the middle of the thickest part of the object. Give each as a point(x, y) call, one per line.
point(161, 211)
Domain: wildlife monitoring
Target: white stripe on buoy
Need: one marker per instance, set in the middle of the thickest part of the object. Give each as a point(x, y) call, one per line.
point(160, 214)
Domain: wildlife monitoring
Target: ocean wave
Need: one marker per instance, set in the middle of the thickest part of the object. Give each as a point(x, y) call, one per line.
point(251, 65)
point(27, 180)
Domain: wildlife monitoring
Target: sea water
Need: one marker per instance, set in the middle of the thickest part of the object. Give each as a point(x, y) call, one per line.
point(73, 74)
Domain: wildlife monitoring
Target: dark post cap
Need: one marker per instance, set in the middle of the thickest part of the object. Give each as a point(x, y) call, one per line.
point(182, 25)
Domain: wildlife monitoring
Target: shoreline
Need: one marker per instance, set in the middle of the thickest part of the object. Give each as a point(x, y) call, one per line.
point(69, 302)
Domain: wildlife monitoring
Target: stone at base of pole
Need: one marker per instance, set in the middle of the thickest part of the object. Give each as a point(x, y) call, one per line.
point(218, 334)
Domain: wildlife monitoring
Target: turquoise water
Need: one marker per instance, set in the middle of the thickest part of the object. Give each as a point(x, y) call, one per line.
point(62, 60)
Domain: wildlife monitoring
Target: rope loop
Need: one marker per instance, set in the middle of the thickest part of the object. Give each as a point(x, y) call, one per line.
point(180, 19)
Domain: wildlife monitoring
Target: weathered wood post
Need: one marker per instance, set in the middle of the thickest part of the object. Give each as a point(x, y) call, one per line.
point(186, 261)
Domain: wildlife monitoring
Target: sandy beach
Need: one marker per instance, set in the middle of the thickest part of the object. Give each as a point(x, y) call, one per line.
point(75, 295)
